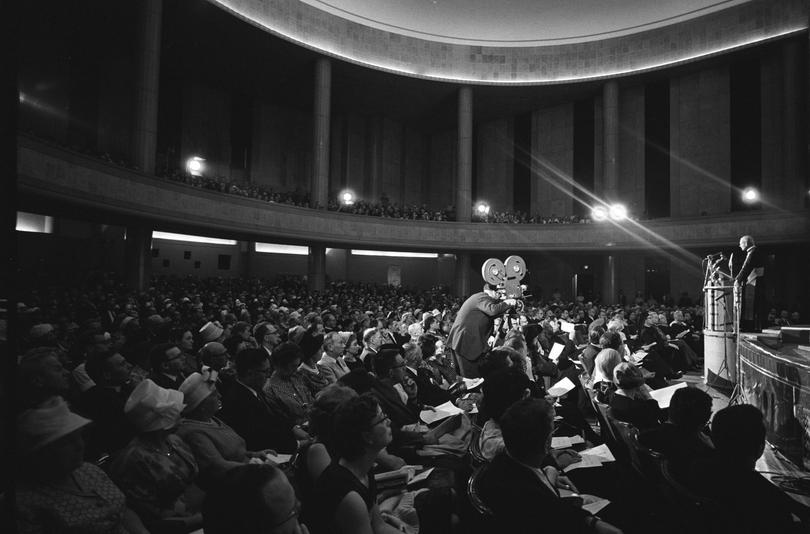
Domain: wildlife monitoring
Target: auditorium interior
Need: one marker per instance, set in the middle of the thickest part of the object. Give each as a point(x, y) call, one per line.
point(311, 177)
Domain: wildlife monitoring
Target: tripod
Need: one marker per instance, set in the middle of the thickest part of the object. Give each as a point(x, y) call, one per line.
point(736, 396)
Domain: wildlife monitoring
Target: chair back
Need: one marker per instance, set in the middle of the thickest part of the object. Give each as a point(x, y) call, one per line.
point(476, 456)
point(472, 493)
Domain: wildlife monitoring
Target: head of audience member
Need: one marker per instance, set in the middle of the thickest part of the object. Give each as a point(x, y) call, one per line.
point(498, 358)
point(183, 338)
point(527, 426)
point(373, 338)
point(211, 331)
point(167, 358)
point(200, 395)
point(40, 376)
point(648, 320)
point(253, 368)
point(267, 335)
point(241, 330)
point(595, 336)
point(216, 355)
point(610, 340)
point(412, 355)
point(353, 348)
point(690, 409)
point(334, 344)
point(329, 322)
point(252, 499)
point(360, 428)
point(604, 364)
point(153, 409)
point(427, 343)
point(286, 359)
point(42, 335)
point(359, 380)
point(390, 365)
point(501, 389)
point(108, 368)
point(322, 411)
point(615, 325)
point(49, 442)
point(677, 316)
point(738, 433)
point(311, 345)
point(514, 339)
point(628, 376)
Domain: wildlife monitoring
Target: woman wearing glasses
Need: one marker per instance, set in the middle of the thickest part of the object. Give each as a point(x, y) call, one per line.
point(345, 491)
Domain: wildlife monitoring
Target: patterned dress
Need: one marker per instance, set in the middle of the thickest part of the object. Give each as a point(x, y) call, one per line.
point(155, 481)
point(95, 505)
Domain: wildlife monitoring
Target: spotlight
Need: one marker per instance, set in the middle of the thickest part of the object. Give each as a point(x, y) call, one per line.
point(618, 212)
point(482, 208)
point(750, 195)
point(194, 165)
point(346, 197)
point(599, 213)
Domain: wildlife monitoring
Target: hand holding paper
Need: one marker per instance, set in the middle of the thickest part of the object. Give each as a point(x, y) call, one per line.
point(561, 388)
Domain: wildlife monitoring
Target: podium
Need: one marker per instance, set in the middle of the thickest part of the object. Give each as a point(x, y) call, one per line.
point(719, 337)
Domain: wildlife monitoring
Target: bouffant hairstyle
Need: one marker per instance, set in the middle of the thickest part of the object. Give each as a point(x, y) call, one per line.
point(502, 389)
point(352, 420)
point(627, 376)
point(286, 353)
point(322, 411)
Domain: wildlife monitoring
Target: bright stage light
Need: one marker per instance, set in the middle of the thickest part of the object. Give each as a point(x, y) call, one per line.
point(599, 213)
point(750, 195)
point(482, 208)
point(618, 212)
point(346, 197)
point(194, 165)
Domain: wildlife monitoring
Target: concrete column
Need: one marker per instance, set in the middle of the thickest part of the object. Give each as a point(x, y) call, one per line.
point(610, 153)
point(144, 132)
point(316, 268)
point(462, 288)
point(319, 189)
point(138, 256)
point(609, 280)
point(247, 250)
point(795, 180)
point(465, 142)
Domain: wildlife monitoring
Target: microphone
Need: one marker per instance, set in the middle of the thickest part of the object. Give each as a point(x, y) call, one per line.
point(715, 255)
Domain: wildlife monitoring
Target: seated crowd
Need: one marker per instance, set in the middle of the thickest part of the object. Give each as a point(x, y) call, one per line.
point(245, 406)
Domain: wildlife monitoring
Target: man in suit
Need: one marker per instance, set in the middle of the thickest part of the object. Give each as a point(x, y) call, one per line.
point(258, 419)
point(331, 363)
point(520, 491)
point(468, 336)
point(373, 339)
point(427, 393)
point(167, 361)
point(747, 267)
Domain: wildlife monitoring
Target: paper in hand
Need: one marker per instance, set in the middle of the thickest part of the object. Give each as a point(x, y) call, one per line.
point(554, 353)
point(664, 395)
point(561, 388)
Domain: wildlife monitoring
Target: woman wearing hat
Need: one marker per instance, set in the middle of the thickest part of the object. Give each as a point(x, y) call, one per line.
point(56, 490)
point(216, 446)
point(157, 467)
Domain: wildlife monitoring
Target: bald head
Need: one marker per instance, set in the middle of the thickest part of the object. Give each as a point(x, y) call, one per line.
point(746, 242)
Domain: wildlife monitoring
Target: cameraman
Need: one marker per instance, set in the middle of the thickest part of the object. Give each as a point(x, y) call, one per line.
point(467, 340)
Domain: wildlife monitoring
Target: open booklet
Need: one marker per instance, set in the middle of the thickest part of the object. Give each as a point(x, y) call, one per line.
point(663, 396)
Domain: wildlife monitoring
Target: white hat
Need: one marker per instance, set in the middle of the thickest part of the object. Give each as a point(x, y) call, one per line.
point(151, 407)
point(211, 331)
point(38, 427)
point(197, 387)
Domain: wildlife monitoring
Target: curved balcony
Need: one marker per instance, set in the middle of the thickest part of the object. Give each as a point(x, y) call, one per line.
point(736, 25)
point(56, 179)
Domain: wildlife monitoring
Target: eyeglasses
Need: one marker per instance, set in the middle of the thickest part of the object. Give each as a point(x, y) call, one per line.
point(295, 512)
point(383, 417)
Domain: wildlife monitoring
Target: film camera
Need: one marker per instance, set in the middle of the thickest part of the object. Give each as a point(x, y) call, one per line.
point(506, 276)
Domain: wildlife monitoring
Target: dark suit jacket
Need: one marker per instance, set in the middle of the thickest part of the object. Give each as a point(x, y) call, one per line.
point(522, 503)
point(111, 430)
point(260, 422)
point(469, 333)
point(165, 381)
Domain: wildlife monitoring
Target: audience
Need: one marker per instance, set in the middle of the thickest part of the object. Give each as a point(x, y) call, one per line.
point(520, 491)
